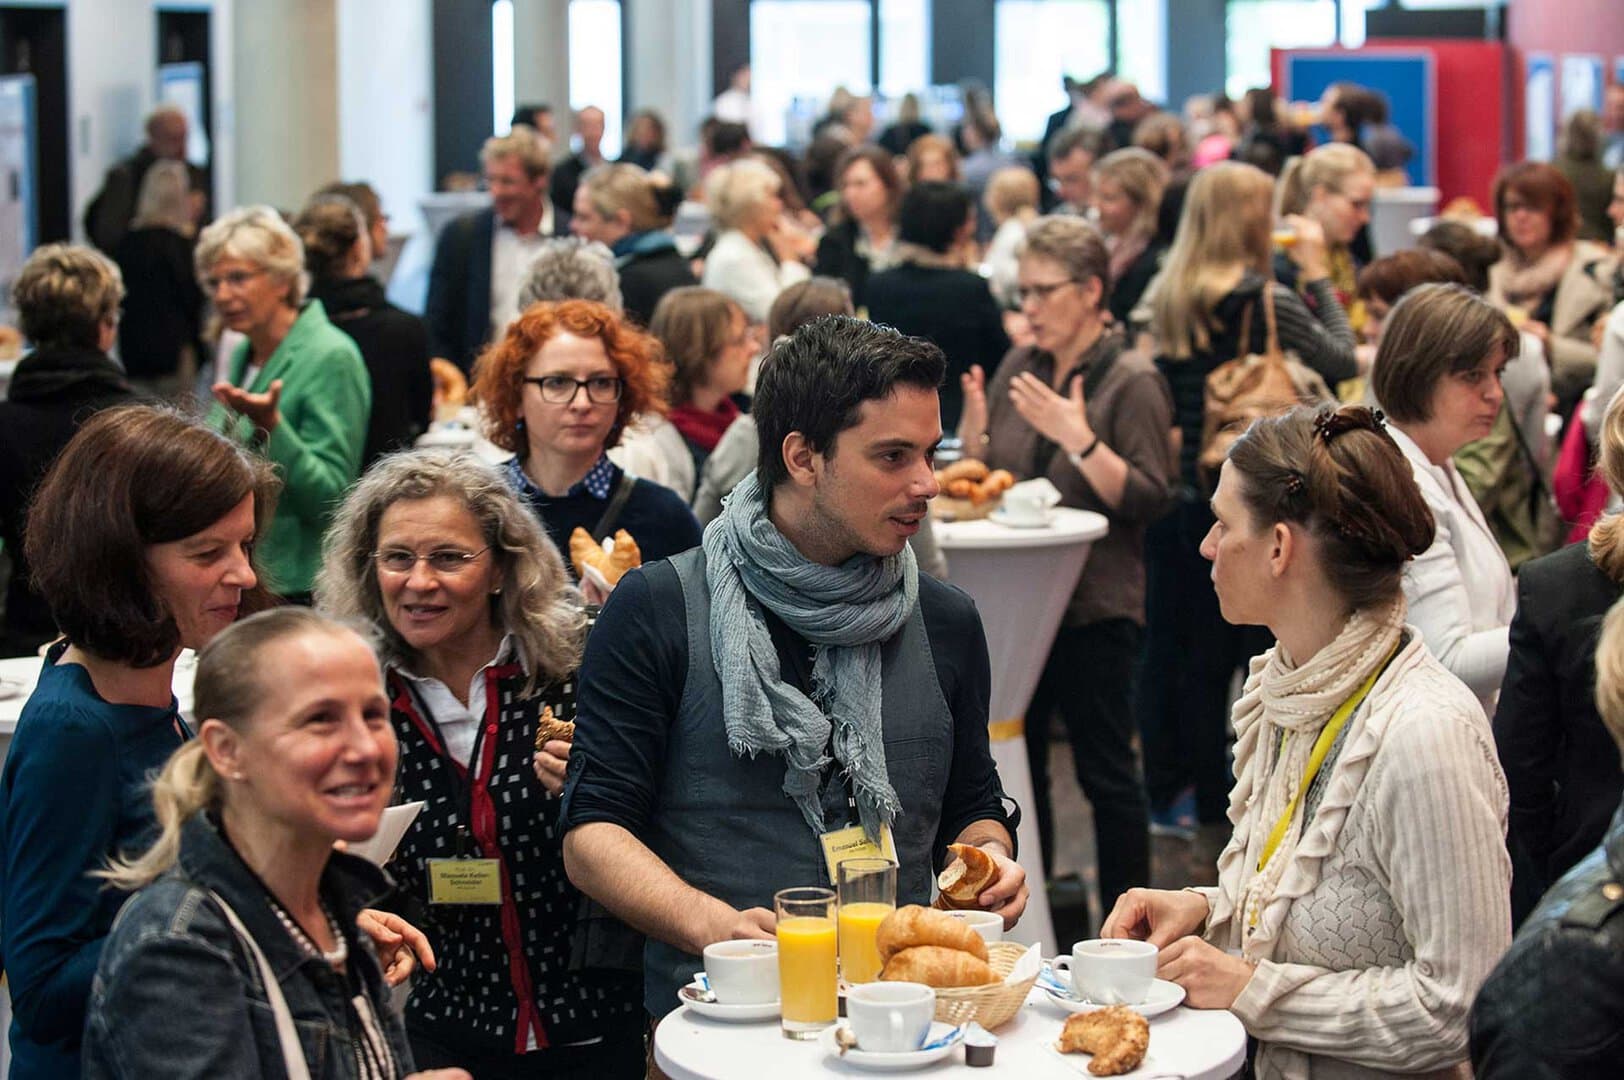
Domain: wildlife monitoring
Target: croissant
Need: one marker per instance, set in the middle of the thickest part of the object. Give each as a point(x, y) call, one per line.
point(970, 874)
point(585, 551)
point(1117, 1037)
point(912, 926)
point(550, 727)
point(626, 556)
point(965, 469)
point(938, 967)
point(450, 385)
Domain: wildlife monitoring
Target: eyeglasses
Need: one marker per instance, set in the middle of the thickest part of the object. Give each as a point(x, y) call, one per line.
point(561, 389)
point(446, 561)
point(1040, 293)
point(236, 279)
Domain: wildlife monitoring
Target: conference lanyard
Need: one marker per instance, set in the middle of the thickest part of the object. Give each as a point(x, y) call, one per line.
point(461, 778)
point(1316, 757)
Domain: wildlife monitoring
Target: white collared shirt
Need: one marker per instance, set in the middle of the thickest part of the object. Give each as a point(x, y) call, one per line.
point(511, 256)
point(459, 723)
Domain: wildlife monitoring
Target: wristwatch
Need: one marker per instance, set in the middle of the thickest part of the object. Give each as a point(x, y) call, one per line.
point(1076, 457)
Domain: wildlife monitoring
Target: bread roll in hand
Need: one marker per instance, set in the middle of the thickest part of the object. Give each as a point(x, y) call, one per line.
point(971, 873)
point(937, 967)
point(585, 551)
point(912, 926)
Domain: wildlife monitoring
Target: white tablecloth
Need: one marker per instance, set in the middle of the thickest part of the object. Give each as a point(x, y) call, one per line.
point(1187, 1043)
point(1021, 580)
point(18, 674)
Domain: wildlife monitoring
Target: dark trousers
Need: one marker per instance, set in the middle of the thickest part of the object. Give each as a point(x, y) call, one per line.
point(1190, 657)
point(1088, 680)
point(613, 1059)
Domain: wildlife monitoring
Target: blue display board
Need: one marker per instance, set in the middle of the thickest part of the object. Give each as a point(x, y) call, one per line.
point(1407, 80)
point(19, 188)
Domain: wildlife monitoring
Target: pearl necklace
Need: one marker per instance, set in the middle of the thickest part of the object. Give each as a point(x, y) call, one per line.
point(336, 957)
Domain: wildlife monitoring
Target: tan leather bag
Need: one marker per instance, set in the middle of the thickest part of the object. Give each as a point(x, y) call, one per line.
point(1251, 386)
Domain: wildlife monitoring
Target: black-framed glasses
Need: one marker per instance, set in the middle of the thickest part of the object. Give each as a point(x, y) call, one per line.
point(1039, 292)
point(561, 389)
point(446, 561)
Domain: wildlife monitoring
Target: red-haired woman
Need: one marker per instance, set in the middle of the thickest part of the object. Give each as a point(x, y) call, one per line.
point(557, 390)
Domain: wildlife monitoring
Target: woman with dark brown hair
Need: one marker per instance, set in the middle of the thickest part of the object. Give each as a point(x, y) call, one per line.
point(557, 391)
point(1365, 778)
point(1551, 284)
point(709, 345)
point(862, 237)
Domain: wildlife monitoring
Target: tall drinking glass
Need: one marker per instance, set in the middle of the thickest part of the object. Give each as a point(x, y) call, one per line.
point(806, 960)
point(868, 893)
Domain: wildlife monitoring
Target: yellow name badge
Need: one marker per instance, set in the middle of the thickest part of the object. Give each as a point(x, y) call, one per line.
point(853, 843)
point(465, 881)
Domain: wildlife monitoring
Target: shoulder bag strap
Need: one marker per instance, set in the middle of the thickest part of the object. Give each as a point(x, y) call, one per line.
point(1243, 344)
point(293, 1058)
point(1271, 346)
point(617, 502)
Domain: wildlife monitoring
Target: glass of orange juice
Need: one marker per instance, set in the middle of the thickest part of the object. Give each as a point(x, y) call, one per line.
point(806, 960)
point(868, 893)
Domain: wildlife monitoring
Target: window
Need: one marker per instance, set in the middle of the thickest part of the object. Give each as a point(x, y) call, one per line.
point(502, 66)
point(1141, 47)
point(800, 50)
point(1253, 27)
point(595, 58)
point(1035, 43)
point(904, 47)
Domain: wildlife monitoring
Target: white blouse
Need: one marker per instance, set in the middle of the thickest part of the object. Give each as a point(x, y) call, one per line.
point(1460, 590)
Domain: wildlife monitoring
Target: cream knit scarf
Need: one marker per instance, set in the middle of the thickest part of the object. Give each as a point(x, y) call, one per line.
point(1527, 283)
point(1296, 701)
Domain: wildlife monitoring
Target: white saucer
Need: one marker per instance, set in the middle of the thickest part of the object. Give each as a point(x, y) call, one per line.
point(730, 1014)
point(1164, 997)
point(1001, 517)
point(900, 1061)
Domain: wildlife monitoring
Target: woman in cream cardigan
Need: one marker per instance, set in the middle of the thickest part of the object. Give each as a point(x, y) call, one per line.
point(1437, 374)
point(1362, 901)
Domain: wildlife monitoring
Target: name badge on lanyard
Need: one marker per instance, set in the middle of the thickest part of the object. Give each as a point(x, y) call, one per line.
point(853, 843)
point(465, 881)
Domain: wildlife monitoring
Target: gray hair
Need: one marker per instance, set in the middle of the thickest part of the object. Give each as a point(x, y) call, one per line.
point(1074, 244)
point(570, 268)
point(166, 198)
point(259, 235)
point(537, 604)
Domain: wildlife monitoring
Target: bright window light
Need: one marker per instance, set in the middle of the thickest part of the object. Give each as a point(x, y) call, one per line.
point(800, 50)
point(502, 66)
point(1253, 27)
point(904, 47)
point(1142, 45)
point(1036, 42)
point(595, 76)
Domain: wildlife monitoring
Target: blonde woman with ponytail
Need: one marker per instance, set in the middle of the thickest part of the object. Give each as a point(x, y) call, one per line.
point(242, 907)
point(1332, 186)
point(1559, 759)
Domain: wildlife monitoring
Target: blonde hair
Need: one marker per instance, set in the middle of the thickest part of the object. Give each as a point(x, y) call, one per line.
point(1143, 177)
point(523, 142)
point(624, 186)
point(64, 293)
point(736, 190)
point(1610, 673)
point(166, 199)
point(1607, 535)
point(232, 685)
point(259, 235)
point(1010, 190)
point(1223, 232)
point(537, 604)
point(1331, 165)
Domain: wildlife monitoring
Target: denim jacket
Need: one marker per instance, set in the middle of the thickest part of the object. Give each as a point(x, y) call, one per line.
point(1554, 1007)
point(177, 995)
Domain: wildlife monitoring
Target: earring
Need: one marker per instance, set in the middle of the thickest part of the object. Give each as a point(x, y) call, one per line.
point(497, 591)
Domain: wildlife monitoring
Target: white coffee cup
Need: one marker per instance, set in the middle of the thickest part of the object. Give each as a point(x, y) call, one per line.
point(1025, 506)
point(988, 924)
point(890, 1017)
point(743, 972)
point(1110, 971)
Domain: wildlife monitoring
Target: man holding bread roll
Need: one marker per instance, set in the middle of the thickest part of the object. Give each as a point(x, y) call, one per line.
point(794, 690)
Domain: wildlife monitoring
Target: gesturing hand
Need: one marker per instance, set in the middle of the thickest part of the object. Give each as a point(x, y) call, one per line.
point(399, 944)
point(261, 409)
point(973, 416)
point(1061, 420)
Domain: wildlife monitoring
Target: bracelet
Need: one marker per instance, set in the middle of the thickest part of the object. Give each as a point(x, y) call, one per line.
point(1077, 457)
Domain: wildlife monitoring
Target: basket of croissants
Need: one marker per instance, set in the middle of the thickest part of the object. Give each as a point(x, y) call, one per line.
point(970, 490)
point(923, 945)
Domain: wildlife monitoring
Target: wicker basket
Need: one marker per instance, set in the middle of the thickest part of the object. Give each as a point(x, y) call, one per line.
point(947, 508)
point(990, 1006)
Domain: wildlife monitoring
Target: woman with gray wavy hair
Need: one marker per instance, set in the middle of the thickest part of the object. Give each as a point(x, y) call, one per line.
point(570, 268)
point(481, 633)
point(296, 389)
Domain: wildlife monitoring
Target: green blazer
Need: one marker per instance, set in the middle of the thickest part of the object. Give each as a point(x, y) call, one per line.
point(326, 400)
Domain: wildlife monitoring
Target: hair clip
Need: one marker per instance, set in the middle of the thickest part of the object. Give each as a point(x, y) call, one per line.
point(1294, 483)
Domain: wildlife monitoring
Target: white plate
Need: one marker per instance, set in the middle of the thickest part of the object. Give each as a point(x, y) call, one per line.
point(1164, 997)
point(731, 1014)
point(1001, 517)
point(900, 1061)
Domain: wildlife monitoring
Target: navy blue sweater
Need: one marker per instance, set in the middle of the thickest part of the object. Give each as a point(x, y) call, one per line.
point(655, 516)
point(74, 791)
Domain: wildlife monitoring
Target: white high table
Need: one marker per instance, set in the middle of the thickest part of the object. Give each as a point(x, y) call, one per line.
point(1021, 581)
point(1189, 1044)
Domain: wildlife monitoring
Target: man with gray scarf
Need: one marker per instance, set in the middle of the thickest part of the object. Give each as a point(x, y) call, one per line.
point(794, 676)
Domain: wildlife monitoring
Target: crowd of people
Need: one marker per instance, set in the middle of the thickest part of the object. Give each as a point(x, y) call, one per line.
point(1378, 492)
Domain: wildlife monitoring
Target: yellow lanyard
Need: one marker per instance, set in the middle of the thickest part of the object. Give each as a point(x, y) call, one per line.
point(1316, 758)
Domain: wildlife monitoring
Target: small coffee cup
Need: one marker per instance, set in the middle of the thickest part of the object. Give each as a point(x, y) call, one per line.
point(890, 1017)
point(1110, 971)
point(743, 972)
point(1025, 507)
point(988, 924)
